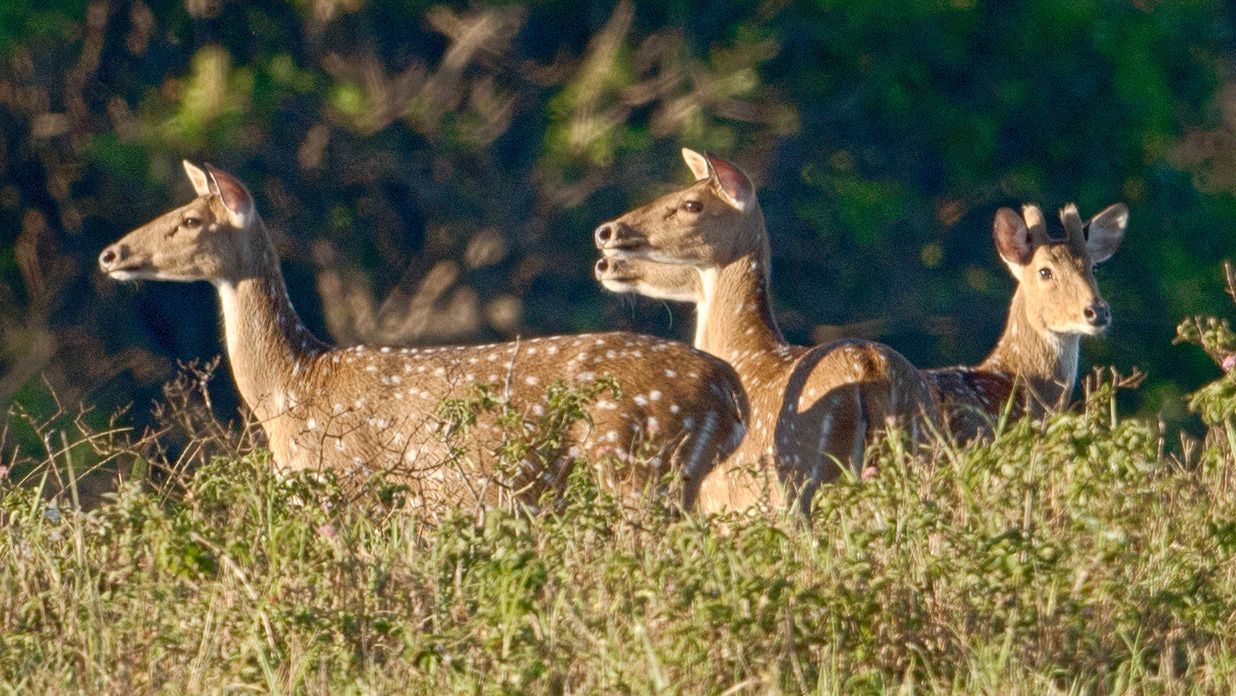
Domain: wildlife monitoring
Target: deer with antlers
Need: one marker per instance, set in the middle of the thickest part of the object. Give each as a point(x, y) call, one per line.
point(813, 410)
point(1057, 301)
point(361, 410)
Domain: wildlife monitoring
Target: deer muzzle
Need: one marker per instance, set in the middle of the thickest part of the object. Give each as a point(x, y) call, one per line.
point(613, 270)
point(119, 262)
point(613, 236)
point(1098, 314)
point(112, 257)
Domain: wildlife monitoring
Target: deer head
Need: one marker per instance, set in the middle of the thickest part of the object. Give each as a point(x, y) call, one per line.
point(212, 237)
point(662, 281)
point(711, 223)
point(1056, 276)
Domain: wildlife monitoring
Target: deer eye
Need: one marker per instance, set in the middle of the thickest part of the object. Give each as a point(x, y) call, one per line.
point(192, 223)
point(1045, 273)
point(692, 206)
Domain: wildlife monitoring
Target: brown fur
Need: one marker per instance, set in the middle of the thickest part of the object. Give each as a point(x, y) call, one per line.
point(1036, 357)
point(360, 410)
point(812, 409)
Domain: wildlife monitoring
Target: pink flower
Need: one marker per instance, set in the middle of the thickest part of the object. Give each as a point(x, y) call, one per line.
point(868, 473)
point(327, 530)
point(1229, 362)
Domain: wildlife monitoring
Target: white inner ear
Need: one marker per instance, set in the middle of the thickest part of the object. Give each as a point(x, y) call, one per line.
point(739, 205)
point(1015, 269)
point(238, 219)
point(697, 162)
point(201, 183)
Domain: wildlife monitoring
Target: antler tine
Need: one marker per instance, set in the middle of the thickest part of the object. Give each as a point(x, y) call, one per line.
point(1032, 215)
point(1034, 222)
point(1074, 228)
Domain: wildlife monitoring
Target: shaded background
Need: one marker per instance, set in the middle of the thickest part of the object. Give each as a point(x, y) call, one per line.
point(432, 172)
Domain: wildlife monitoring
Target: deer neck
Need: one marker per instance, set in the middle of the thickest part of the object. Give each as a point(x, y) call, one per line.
point(268, 347)
point(1044, 361)
point(734, 317)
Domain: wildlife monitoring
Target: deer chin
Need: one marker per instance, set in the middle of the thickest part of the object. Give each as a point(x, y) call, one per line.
point(136, 273)
point(126, 274)
point(615, 275)
point(1079, 328)
point(619, 285)
point(635, 286)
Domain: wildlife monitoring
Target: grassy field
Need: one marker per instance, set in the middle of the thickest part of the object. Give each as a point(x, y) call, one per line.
point(1069, 555)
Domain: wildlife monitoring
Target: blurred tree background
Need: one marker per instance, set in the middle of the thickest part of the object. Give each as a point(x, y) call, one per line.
point(432, 172)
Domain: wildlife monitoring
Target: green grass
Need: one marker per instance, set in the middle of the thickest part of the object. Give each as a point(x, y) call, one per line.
point(1064, 556)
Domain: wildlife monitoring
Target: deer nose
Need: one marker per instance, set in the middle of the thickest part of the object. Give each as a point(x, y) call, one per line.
point(604, 235)
point(110, 257)
point(1098, 314)
point(615, 235)
point(618, 235)
point(601, 267)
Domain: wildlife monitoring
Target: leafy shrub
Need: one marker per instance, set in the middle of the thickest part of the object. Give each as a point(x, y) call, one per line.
point(1216, 401)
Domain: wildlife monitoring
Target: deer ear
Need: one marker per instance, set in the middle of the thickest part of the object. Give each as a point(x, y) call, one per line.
point(201, 184)
point(732, 183)
point(234, 195)
point(1013, 240)
point(1106, 230)
point(698, 163)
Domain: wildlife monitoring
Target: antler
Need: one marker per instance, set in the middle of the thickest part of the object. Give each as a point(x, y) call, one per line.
point(1034, 223)
point(1074, 228)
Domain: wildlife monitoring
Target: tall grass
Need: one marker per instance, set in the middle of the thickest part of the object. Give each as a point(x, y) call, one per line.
point(1068, 555)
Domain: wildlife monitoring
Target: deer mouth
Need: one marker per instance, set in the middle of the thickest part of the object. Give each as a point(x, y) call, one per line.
point(125, 274)
point(646, 252)
point(119, 264)
point(617, 240)
point(614, 238)
point(1092, 329)
point(1081, 328)
point(614, 275)
point(130, 269)
point(614, 270)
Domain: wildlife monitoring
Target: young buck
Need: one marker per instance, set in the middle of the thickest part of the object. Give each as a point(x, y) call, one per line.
point(1057, 302)
point(812, 409)
point(360, 410)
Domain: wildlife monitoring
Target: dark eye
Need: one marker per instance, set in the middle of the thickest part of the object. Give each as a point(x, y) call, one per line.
point(692, 206)
point(1045, 273)
point(192, 223)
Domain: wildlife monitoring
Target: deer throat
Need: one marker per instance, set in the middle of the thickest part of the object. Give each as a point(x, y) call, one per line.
point(1045, 361)
point(267, 345)
point(703, 311)
point(734, 316)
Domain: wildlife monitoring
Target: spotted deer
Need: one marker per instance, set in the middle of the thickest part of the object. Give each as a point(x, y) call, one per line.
point(360, 410)
point(813, 410)
point(1057, 301)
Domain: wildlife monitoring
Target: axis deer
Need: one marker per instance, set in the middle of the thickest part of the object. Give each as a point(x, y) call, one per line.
point(812, 409)
point(1057, 301)
point(361, 409)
